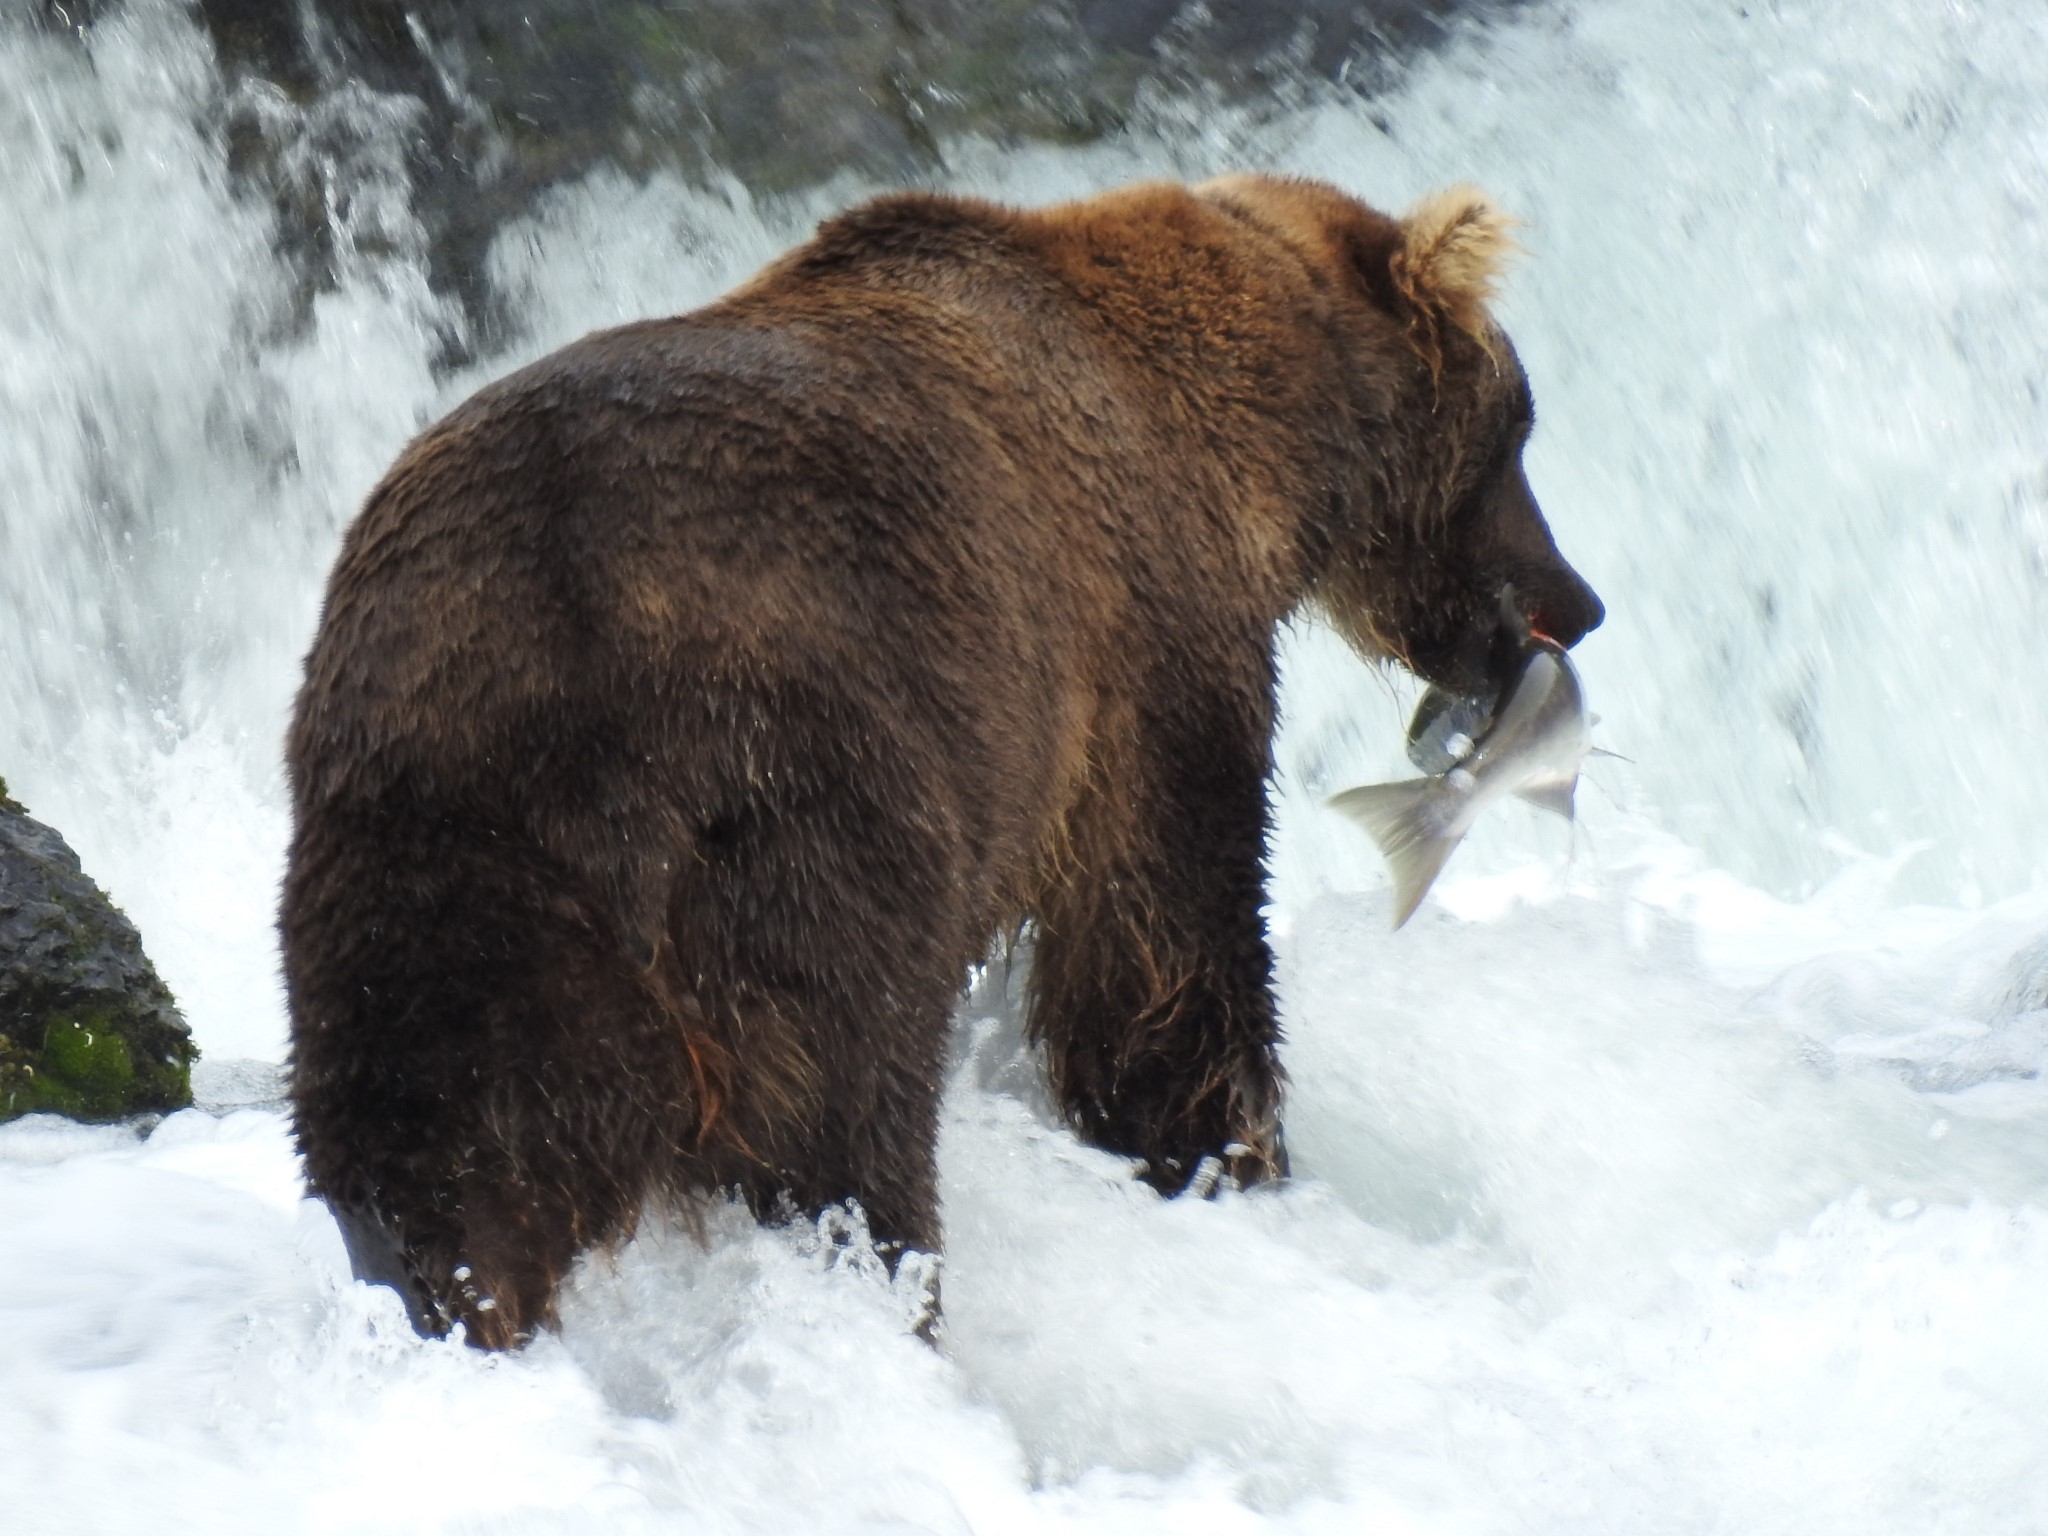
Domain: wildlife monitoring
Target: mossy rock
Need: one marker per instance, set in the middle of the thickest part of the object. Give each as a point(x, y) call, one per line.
point(87, 1027)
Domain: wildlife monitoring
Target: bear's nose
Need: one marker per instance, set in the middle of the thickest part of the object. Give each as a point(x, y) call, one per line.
point(1566, 617)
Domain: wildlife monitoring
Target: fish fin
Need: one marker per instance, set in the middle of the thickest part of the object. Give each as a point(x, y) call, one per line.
point(1553, 797)
point(1406, 819)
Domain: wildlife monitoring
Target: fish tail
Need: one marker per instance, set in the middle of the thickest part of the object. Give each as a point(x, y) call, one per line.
point(1409, 822)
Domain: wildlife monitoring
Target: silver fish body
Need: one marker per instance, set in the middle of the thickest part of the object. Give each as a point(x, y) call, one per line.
point(1532, 748)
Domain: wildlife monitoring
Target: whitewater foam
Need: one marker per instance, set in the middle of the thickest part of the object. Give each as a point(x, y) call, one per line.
point(1681, 1171)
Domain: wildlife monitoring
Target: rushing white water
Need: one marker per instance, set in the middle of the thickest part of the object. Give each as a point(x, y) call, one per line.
point(1668, 1174)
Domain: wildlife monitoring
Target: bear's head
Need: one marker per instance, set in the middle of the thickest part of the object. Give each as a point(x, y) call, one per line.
point(1437, 556)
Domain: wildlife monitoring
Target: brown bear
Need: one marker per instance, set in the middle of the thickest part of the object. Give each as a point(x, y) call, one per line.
point(692, 709)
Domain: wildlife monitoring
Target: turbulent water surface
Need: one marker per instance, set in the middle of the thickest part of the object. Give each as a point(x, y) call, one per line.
point(1683, 1172)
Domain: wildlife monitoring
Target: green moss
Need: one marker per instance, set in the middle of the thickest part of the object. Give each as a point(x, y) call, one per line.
point(8, 803)
point(87, 1071)
point(85, 1059)
point(83, 1070)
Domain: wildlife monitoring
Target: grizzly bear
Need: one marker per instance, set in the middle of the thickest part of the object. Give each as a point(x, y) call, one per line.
point(692, 709)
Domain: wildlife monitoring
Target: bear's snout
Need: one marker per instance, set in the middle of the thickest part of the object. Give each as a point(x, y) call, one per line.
point(1567, 614)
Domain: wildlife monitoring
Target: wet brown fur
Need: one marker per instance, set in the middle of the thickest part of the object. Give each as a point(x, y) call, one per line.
point(691, 708)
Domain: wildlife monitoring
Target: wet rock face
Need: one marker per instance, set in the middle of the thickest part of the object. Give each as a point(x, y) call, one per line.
point(503, 100)
point(87, 1028)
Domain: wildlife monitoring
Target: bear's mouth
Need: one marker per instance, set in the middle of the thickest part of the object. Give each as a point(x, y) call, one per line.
point(1449, 721)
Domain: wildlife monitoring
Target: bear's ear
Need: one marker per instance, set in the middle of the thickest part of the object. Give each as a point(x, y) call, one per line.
point(1455, 244)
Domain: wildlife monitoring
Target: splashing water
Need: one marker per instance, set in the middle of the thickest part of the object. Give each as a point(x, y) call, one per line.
point(1668, 1174)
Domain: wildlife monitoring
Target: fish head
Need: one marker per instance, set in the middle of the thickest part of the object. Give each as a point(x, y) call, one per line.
point(1539, 716)
point(1445, 727)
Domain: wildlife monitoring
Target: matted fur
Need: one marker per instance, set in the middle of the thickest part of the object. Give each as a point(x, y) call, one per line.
point(691, 709)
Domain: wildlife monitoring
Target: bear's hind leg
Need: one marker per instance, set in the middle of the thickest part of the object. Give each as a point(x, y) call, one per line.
point(483, 1082)
point(826, 920)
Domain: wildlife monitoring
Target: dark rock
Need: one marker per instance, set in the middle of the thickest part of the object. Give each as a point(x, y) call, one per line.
point(87, 1029)
point(507, 100)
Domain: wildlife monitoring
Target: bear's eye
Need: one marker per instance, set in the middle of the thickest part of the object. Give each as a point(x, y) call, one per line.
point(1521, 413)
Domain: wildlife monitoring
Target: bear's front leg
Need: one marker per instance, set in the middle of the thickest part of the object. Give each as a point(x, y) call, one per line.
point(1151, 979)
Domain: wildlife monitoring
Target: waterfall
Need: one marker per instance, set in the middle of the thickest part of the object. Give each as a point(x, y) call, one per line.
point(1781, 281)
